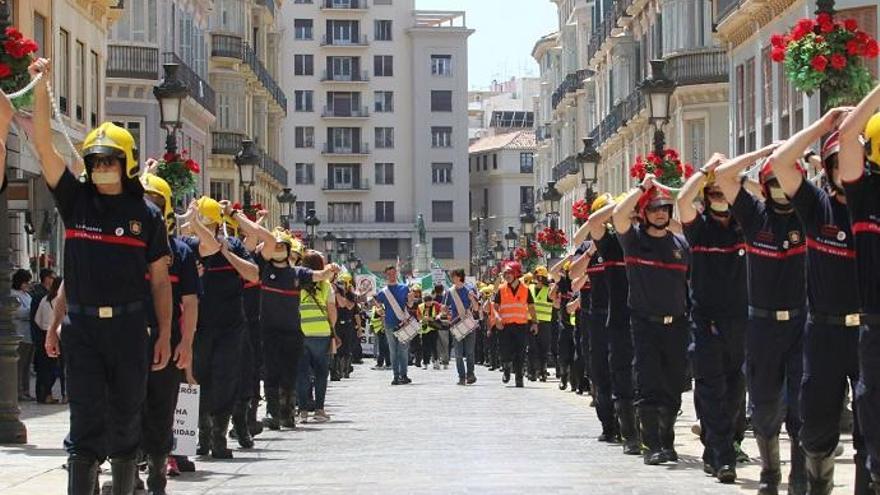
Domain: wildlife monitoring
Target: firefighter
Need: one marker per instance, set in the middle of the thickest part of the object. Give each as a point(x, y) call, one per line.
point(517, 310)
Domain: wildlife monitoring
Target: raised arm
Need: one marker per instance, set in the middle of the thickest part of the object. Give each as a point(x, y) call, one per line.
point(623, 210)
point(784, 158)
point(727, 175)
point(254, 233)
point(595, 225)
point(851, 158)
point(691, 189)
point(50, 160)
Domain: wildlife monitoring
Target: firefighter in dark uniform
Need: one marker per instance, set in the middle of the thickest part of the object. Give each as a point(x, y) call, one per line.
point(831, 338)
point(657, 262)
point(720, 308)
point(776, 255)
point(254, 336)
point(217, 360)
point(163, 385)
point(113, 238)
point(572, 272)
point(345, 327)
point(600, 371)
point(620, 357)
point(580, 367)
point(860, 176)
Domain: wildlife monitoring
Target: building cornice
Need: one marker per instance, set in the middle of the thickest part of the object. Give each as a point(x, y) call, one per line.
point(749, 18)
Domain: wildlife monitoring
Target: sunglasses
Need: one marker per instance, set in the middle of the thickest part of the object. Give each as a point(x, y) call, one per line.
point(104, 160)
point(654, 209)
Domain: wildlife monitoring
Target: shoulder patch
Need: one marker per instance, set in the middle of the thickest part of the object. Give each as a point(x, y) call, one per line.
point(135, 227)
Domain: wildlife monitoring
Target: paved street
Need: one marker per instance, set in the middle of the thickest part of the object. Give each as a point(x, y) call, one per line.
point(430, 437)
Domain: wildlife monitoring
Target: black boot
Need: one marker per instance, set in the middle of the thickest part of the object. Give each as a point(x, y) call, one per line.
point(820, 474)
point(205, 426)
point(82, 475)
point(771, 473)
point(875, 484)
point(626, 418)
point(505, 376)
point(563, 377)
point(254, 426)
point(273, 409)
point(667, 419)
point(346, 367)
point(239, 424)
point(218, 437)
point(123, 471)
point(650, 428)
point(157, 474)
point(287, 411)
point(797, 476)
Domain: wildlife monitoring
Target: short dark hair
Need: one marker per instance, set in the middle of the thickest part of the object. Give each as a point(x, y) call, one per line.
point(458, 272)
point(390, 267)
point(21, 277)
point(46, 273)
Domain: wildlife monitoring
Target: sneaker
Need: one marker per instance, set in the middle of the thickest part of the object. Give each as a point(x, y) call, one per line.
point(377, 368)
point(670, 455)
point(405, 380)
point(654, 458)
point(320, 416)
point(726, 475)
point(396, 381)
point(505, 377)
point(303, 416)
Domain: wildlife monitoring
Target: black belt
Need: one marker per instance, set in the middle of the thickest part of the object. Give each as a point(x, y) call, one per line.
point(850, 320)
point(781, 315)
point(662, 319)
point(105, 312)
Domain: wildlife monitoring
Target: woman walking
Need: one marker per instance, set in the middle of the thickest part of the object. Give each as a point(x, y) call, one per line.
point(318, 316)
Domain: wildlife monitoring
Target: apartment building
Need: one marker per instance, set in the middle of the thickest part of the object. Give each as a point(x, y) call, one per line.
point(377, 129)
point(486, 107)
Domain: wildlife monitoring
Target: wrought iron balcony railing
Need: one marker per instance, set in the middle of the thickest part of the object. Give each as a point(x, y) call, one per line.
point(133, 62)
point(199, 89)
point(341, 111)
point(224, 45)
point(353, 77)
point(702, 66)
point(355, 41)
point(353, 149)
point(344, 4)
point(360, 185)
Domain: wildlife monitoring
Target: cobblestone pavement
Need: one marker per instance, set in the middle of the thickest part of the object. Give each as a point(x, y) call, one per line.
point(429, 437)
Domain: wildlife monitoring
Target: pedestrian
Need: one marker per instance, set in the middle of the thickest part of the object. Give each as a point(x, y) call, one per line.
point(459, 304)
point(720, 308)
point(776, 261)
point(567, 320)
point(517, 310)
point(539, 344)
point(429, 316)
point(43, 365)
point(51, 369)
point(113, 238)
point(490, 313)
point(377, 326)
point(21, 280)
point(394, 297)
point(442, 339)
point(345, 327)
point(657, 262)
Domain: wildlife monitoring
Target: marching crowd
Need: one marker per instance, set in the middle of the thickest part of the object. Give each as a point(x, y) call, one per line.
point(764, 294)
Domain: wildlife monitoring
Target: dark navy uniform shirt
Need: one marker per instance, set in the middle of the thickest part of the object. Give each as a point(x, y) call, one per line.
point(110, 242)
point(184, 282)
point(615, 278)
point(831, 254)
point(280, 291)
point(598, 286)
point(776, 251)
point(718, 271)
point(863, 202)
point(221, 305)
point(657, 270)
point(251, 296)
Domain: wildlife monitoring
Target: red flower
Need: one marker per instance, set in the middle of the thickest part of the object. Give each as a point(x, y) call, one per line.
point(777, 54)
point(688, 170)
point(654, 159)
point(658, 172)
point(823, 18)
point(838, 61)
point(853, 47)
point(637, 171)
point(169, 157)
point(871, 49)
point(13, 34)
point(778, 40)
point(192, 166)
point(819, 63)
point(14, 49)
point(820, 39)
point(671, 154)
point(5, 71)
point(851, 25)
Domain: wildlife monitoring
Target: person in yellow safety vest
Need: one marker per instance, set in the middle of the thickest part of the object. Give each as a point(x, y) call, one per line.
point(490, 317)
point(377, 325)
point(539, 343)
point(429, 311)
point(517, 310)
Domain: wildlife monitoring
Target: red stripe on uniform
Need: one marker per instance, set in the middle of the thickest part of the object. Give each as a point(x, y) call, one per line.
point(173, 278)
point(866, 228)
point(718, 250)
point(609, 264)
point(832, 250)
point(656, 264)
point(596, 269)
point(103, 238)
point(227, 268)
point(777, 255)
point(251, 285)
point(281, 291)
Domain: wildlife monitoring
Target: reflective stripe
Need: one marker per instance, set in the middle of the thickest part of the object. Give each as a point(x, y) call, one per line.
point(293, 293)
point(633, 260)
point(867, 227)
point(718, 250)
point(514, 309)
point(227, 268)
point(313, 312)
point(251, 285)
point(778, 255)
point(85, 235)
point(814, 244)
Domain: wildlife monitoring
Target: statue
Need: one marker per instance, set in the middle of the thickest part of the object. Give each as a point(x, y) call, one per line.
point(420, 226)
point(421, 259)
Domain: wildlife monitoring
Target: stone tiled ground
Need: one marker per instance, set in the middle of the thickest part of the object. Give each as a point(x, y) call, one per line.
point(429, 437)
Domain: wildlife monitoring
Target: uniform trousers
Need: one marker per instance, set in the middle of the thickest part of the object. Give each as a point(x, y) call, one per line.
point(514, 338)
point(158, 417)
point(600, 370)
point(217, 363)
point(867, 394)
point(539, 346)
point(660, 361)
point(620, 346)
point(282, 350)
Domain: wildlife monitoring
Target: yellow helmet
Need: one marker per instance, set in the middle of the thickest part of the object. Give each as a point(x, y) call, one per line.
point(541, 271)
point(297, 246)
point(527, 278)
point(283, 237)
point(620, 197)
point(345, 277)
point(487, 290)
point(872, 139)
point(566, 265)
point(210, 210)
point(600, 202)
point(417, 287)
point(157, 185)
point(110, 139)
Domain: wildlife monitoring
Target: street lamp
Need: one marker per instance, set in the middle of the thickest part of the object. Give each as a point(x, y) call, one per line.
point(551, 198)
point(658, 93)
point(329, 242)
point(588, 159)
point(342, 250)
point(170, 92)
point(312, 223)
point(510, 237)
point(247, 160)
point(499, 251)
point(527, 220)
point(353, 262)
point(286, 199)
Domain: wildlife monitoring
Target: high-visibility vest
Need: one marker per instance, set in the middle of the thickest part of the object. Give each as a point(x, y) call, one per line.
point(490, 310)
point(377, 322)
point(514, 309)
point(543, 306)
point(313, 311)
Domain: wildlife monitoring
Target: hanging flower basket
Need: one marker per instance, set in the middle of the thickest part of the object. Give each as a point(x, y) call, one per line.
point(552, 241)
point(179, 171)
point(580, 210)
point(529, 256)
point(667, 169)
point(15, 57)
point(250, 213)
point(825, 55)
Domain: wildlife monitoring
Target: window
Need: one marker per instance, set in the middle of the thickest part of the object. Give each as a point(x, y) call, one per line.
point(343, 177)
point(302, 29)
point(383, 65)
point(342, 32)
point(384, 211)
point(384, 101)
point(139, 22)
point(750, 104)
point(526, 163)
point(382, 30)
point(96, 90)
point(344, 69)
point(441, 101)
point(303, 65)
point(303, 100)
point(63, 65)
point(441, 248)
point(302, 209)
point(384, 174)
point(344, 140)
point(441, 65)
point(384, 137)
point(302, 1)
point(766, 97)
point(695, 141)
point(304, 137)
point(441, 137)
point(441, 173)
point(485, 162)
point(740, 110)
point(344, 212)
point(382, 2)
point(526, 198)
point(441, 211)
point(388, 248)
point(221, 189)
point(494, 161)
point(304, 174)
point(40, 34)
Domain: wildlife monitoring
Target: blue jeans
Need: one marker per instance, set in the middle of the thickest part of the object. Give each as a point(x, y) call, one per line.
point(465, 349)
point(399, 352)
point(315, 361)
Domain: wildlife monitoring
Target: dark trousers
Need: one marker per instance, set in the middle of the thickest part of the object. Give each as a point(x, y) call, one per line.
point(480, 343)
point(719, 352)
point(383, 358)
point(158, 417)
point(429, 348)
point(661, 361)
point(539, 347)
point(867, 395)
point(565, 346)
point(493, 350)
point(621, 358)
point(600, 371)
point(216, 364)
point(47, 368)
point(774, 368)
point(514, 339)
point(314, 362)
point(25, 361)
point(282, 350)
point(247, 366)
point(107, 365)
point(255, 332)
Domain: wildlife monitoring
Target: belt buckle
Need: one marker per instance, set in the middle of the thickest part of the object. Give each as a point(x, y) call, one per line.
point(853, 320)
point(783, 316)
point(667, 320)
point(105, 312)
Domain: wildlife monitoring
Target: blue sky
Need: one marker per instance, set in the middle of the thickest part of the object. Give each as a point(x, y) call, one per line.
point(506, 31)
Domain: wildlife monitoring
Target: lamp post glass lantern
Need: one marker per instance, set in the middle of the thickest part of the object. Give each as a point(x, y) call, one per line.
point(527, 220)
point(170, 92)
point(247, 160)
point(499, 251)
point(287, 200)
point(658, 93)
point(329, 242)
point(312, 223)
point(511, 238)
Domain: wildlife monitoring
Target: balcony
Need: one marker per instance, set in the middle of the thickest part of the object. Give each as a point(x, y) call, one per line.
point(344, 112)
point(273, 169)
point(358, 186)
point(371, 222)
point(723, 8)
point(566, 167)
point(356, 77)
point(269, 5)
point(345, 5)
point(226, 143)
point(199, 89)
point(227, 46)
point(330, 41)
point(702, 66)
point(572, 82)
point(601, 33)
point(355, 149)
point(133, 62)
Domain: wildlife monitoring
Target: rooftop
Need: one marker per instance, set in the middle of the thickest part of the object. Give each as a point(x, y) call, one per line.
point(518, 140)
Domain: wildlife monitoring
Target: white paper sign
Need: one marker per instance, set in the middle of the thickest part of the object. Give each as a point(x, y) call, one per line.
point(366, 284)
point(186, 420)
point(439, 276)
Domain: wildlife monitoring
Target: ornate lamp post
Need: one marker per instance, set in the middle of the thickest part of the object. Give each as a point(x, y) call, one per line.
point(247, 160)
point(551, 198)
point(170, 92)
point(286, 199)
point(498, 251)
point(588, 160)
point(658, 93)
point(312, 223)
point(510, 238)
point(342, 253)
point(329, 243)
point(527, 223)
